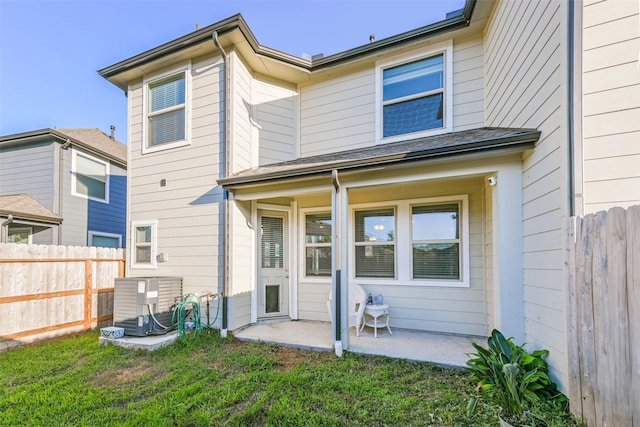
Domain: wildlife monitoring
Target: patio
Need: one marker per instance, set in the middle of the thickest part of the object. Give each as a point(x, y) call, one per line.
point(441, 349)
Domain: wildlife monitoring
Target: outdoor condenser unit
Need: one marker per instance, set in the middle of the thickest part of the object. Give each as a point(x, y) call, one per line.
point(138, 300)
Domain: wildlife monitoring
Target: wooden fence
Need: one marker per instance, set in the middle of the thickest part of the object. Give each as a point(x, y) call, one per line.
point(604, 317)
point(47, 291)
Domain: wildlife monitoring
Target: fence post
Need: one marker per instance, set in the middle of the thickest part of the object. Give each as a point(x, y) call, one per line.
point(88, 295)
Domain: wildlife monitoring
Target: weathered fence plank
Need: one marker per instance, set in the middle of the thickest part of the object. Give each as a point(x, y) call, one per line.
point(604, 317)
point(633, 307)
point(46, 291)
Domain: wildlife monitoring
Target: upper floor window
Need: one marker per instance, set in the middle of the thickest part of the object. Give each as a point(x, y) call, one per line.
point(166, 112)
point(90, 177)
point(415, 95)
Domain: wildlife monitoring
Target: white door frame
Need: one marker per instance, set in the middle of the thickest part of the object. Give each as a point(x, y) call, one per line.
point(291, 255)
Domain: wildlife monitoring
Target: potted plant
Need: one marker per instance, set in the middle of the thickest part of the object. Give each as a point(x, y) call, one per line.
point(510, 378)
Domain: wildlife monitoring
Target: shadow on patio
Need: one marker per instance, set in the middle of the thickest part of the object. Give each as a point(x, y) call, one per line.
point(441, 349)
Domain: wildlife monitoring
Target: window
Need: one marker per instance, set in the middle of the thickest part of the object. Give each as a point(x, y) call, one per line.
point(411, 242)
point(20, 235)
point(90, 177)
point(143, 251)
point(318, 230)
point(415, 95)
point(435, 239)
point(166, 112)
point(375, 243)
point(105, 240)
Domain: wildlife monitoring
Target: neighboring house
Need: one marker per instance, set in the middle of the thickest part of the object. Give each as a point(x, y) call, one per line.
point(63, 186)
point(437, 167)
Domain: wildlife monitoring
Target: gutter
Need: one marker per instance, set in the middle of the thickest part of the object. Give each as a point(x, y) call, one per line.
point(223, 281)
point(364, 163)
point(63, 148)
point(237, 22)
point(336, 262)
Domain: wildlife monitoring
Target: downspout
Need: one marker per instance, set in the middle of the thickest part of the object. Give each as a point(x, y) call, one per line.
point(4, 228)
point(225, 194)
point(570, 100)
point(336, 261)
point(61, 174)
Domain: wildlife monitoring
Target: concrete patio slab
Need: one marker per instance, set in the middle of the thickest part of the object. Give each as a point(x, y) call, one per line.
point(441, 349)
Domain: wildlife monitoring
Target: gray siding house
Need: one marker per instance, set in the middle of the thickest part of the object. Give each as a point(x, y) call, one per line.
point(437, 167)
point(63, 186)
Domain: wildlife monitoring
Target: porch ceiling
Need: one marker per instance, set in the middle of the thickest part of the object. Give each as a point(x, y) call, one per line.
point(482, 140)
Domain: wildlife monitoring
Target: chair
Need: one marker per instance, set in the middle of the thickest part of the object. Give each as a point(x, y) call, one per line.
point(357, 302)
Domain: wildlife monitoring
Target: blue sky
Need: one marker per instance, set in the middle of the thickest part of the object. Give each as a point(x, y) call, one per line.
point(50, 51)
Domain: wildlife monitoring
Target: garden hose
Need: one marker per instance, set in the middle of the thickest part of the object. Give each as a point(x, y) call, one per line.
point(187, 312)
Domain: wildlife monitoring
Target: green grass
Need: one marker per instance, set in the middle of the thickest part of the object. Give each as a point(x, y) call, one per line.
point(214, 381)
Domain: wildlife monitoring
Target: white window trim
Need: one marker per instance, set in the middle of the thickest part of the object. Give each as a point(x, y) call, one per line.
point(403, 243)
point(186, 70)
point(92, 234)
point(74, 168)
point(303, 245)
point(28, 229)
point(446, 48)
point(154, 244)
point(394, 243)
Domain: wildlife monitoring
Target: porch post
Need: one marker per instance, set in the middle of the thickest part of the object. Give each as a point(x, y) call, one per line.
point(336, 274)
point(508, 283)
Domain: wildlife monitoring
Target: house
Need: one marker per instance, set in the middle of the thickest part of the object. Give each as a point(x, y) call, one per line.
point(437, 167)
point(63, 186)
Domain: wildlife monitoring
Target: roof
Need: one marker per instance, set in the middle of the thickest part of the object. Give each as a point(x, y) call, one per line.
point(91, 139)
point(23, 206)
point(194, 40)
point(446, 145)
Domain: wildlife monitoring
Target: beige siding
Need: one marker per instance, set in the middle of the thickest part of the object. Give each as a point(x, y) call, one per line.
point(524, 53)
point(241, 123)
point(611, 104)
point(187, 207)
point(459, 310)
point(275, 122)
point(339, 114)
point(241, 265)
point(468, 84)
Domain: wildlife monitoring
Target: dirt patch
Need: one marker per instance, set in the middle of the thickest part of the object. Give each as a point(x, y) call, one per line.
point(111, 378)
point(289, 358)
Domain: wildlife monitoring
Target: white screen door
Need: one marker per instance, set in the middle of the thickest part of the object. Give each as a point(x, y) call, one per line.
point(273, 292)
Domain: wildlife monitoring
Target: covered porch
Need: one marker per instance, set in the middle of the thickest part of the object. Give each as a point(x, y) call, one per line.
point(437, 348)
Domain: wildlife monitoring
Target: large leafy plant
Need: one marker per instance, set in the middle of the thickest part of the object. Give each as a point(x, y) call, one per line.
point(510, 377)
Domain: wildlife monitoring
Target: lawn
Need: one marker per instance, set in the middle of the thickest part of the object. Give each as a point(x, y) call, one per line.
point(73, 381)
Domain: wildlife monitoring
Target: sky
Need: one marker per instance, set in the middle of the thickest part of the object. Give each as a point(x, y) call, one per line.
point(50, 51)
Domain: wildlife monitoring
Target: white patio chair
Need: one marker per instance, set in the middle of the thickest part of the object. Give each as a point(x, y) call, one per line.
point(357, 302)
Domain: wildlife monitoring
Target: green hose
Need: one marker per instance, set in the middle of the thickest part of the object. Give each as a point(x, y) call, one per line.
point(186, 311)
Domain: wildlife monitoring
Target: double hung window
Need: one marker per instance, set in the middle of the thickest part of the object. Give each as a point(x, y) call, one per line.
point(435, 241)
point(318, 230)
point(143, 251)
point(90, 177)
point(166, 112)
point(375, 243)
point(415, 95)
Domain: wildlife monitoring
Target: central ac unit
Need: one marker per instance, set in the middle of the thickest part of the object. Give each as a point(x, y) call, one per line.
point(144, 305)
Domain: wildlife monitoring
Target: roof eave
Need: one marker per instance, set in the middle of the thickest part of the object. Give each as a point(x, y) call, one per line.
point(237, 22)
point(513, 144)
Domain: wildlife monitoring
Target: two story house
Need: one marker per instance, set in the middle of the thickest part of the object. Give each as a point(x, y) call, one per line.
point(63, 186)
point(437, 167)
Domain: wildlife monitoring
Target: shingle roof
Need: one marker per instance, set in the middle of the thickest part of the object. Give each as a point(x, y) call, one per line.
point(98, 140)
point(449, 144)
point(23, 206)
point(92, 139)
